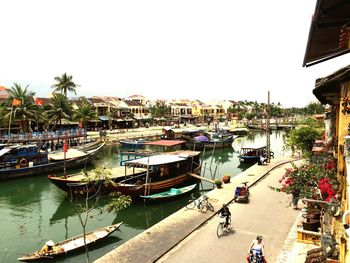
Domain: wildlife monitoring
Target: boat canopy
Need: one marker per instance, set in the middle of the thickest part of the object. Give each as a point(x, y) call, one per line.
point(71, 153)
point(4, 151)
point(254, 146)
point(166, 143)
point(202, 138)
point(157, 160)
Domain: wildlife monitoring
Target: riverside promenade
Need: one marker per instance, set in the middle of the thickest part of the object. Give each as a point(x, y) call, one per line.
point(190, 236)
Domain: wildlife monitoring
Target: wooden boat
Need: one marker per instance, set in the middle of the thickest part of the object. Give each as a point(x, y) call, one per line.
point(74, 243)
point(74, 183)
point(252, 153)
point(134, 144)
point(211, 140)
point(151, 148)
point(170, 194)
point(164, 171)
point(27, 160)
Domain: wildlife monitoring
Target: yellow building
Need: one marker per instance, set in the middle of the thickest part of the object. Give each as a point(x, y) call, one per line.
point(329, 38)
point(335, 91)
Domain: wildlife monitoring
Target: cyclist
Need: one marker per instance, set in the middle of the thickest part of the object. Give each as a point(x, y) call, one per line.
point(225, 212)
point(256, 246)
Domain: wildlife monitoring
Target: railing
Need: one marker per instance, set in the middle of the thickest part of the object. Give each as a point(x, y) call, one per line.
point(41, 136)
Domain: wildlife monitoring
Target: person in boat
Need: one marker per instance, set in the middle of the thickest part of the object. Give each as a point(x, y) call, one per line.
point(256, 246)
point(225, 212)
point(48, 248)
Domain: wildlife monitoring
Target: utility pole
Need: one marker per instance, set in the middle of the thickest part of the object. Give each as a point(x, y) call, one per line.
point(268, 128)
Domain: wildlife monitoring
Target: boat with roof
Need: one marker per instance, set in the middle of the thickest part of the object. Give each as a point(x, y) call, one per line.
point(251, 153)
point(26, 160)
point(162, 172)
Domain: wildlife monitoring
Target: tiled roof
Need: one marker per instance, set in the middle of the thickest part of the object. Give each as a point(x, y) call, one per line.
point(133, 103)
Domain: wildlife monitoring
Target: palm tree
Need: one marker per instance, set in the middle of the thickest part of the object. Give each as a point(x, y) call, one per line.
point(84, 112)
point(24, 111)
point(64, 84)
point(58, 109)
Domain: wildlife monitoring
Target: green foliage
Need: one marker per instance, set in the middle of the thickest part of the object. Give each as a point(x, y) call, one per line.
point(311, 122)
point(58, 109)
point(26, 110)
point(218, 183)
point(314, 108)
point(302, 139)
point(64, 84)
point(160, 109)
point(84, 112)
point(118, 202)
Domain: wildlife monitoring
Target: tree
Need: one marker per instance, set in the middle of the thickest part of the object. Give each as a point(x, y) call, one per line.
point(314, 108)
point(302, 139)
point(94, 183)
point(64, 84)
point(160, 109)
point(24, 109)
point(84, 112)
point(58, 109)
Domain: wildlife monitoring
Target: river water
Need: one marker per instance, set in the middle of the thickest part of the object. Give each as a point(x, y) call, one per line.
point(33, 210)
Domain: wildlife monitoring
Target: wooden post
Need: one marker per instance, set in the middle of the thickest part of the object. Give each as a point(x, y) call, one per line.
point(147, 175)
point(268, 128)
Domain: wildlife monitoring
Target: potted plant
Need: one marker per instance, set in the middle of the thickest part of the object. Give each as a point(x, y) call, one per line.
point(226, 179)
point(218, 183)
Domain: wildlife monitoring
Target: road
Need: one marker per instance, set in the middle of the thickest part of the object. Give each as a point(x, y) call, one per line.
point(268, 214)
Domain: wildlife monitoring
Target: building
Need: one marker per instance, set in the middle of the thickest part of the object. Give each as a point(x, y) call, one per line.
point(329, 38)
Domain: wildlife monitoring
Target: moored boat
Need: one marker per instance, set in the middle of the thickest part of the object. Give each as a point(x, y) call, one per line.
point(74, 243)
point(164, 171)
point(27, 160)
point(134, 144)
point(210, 140)
point(75, 183)
point(252, 153)
point(170, 194)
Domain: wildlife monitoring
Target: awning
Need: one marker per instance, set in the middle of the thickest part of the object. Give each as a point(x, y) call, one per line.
point(329, 31)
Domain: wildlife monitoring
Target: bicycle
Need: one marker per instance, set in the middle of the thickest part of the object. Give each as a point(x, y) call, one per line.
point(222, 227)
point(206, 202)
point(201, 203)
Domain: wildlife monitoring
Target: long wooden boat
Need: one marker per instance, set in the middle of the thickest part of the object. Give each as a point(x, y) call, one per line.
point(74, 183)
point(163, 171)
point(211, 140)
point(27, 160)
point(74, 243)
point(252, 153)
point(170, 194)
point(134, 144)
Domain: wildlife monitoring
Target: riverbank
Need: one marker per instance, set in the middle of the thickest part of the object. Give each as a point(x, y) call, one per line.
point(161, 240)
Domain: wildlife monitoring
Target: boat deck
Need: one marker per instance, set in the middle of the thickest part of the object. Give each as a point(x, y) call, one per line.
point(116, 172)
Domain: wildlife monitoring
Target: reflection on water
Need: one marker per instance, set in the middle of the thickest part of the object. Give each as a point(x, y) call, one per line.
point(33, 210)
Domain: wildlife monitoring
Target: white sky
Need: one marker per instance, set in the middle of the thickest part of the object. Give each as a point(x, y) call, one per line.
point(195, 49)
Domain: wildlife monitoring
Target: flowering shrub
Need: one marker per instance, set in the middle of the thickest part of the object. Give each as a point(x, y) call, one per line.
point(326, 189)
point(309, 180)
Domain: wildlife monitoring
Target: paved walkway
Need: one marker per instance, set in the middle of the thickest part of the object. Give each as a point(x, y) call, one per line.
point(189, 235)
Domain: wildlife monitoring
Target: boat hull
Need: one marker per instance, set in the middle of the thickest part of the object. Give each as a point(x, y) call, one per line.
point(171, 194)
point(135, 191)
point(196, 145)
point(74, 243)
point(52, 166)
